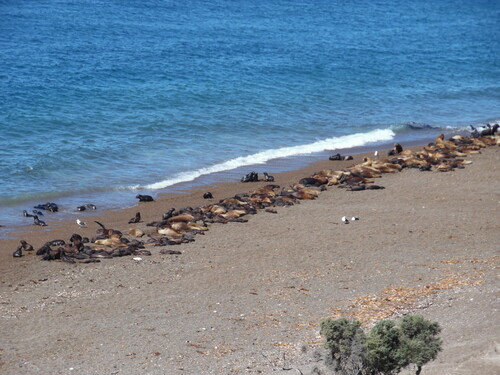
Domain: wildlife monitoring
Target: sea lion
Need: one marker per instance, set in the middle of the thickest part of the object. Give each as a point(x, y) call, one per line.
point(19, 252)
point(135, 219)
point(268, 178)
point(396, 150)
point(26, 246)
point(26, 214)
point(75, 238)
point(170, 252)
point(182, 217)
point(144, 198)
point(490, 131)
point(335, 157)
point(250, 177)
point(49, 206)
point(168, 214)
point(310, 181)
point(208, 195)
point(37, 221)
point(56, 243)
point(86, 207)
point(136, 232)
point(169, 232)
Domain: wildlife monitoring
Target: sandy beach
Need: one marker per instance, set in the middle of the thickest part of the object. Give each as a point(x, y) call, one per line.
point(247, 298)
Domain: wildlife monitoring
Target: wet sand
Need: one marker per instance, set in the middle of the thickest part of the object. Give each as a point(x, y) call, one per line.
point(247, 298)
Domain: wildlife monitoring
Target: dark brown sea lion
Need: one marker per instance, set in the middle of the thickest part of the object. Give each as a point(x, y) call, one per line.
point(268, 178)
point(19, 252)
point(170, 252)
point(208, 195)
point(26, 214)
point(144, 198)
point(49, 206)
point(335, 157)
point(396, 150)
point(250, 177)
point(37, 221)
point(135, 219)
point(26, 246)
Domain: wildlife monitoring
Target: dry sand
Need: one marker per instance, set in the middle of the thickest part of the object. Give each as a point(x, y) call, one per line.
point(247, 298)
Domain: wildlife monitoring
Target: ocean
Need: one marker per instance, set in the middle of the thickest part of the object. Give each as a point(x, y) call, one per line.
point(101, 100)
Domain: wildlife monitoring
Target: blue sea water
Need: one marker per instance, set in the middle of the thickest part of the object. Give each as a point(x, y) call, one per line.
point(101, 99)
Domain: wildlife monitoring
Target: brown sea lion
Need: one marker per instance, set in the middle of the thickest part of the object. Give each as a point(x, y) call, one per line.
point(144, 198)
point(135, 219)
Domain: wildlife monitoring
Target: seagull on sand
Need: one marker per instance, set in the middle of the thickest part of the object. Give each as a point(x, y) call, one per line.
point(345, 220)
point(81, 223)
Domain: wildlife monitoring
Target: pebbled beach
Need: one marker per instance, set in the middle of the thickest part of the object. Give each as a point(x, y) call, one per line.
point(247, 298)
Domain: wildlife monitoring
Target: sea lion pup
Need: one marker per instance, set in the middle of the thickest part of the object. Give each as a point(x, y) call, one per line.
point(135, 219)
point(168, 214)
point(86, 207)
point(26, 246)
point(208, 195)
point(396, 150)
point(19, 252)
point(311, 181)
point(425, 168)
point(107, 231)
point(356, 187)
point(250, 177)
point(144, 198)
point(268, 178)
point(335, 157)
point(490, 131)
point(26, 214)
point(37, 221)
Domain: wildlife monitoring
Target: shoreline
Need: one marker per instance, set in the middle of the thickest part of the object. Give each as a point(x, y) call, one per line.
point(222, 184)
point(68, 211)
point(248, 298)
point(203, 183)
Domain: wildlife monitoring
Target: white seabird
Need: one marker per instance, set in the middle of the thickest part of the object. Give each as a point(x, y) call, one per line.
point(81, 223)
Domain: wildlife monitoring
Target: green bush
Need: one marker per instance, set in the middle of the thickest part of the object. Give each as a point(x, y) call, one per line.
point(419, 340)
point(384, 344)
point(346, 343)
point(386, 349)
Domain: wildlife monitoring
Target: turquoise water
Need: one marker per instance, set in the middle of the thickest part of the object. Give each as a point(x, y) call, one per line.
point(102, 99)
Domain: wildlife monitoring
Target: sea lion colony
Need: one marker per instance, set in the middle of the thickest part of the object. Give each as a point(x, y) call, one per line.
point(181, 226)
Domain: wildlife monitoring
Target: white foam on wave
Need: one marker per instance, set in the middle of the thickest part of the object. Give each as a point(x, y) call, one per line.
point(347, 141)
